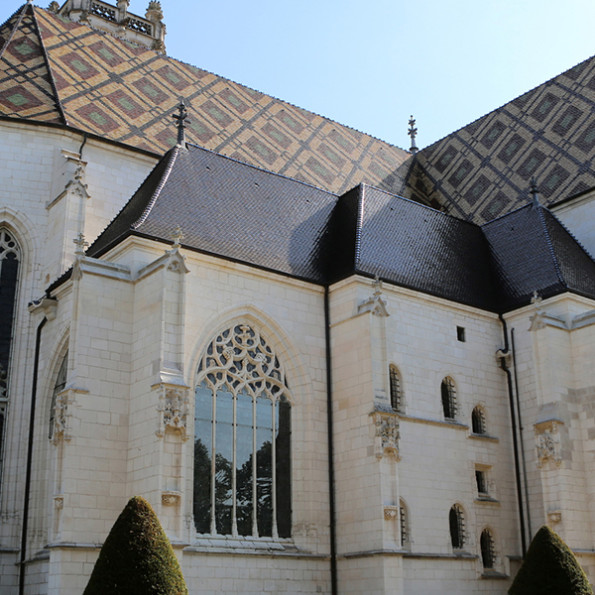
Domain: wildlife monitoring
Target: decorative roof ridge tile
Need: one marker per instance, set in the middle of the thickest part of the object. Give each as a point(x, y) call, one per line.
point(496, 109)
point(22, 10)
point(361, 192)
point(550, 245)
point(261, 169)
point(175, 151)
point(46, 60)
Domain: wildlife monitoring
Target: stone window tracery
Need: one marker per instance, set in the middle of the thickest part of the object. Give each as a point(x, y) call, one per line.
point(242, 467)
point(57, 412)
point(10, 257)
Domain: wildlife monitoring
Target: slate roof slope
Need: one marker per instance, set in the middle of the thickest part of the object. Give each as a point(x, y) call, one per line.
point(413, 246)
point(228, 209)
point(483, 170)
point(108, 87)
point(532, 251)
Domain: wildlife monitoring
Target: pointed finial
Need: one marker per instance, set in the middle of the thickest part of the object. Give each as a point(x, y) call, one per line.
point(177, 236)
point(412, 133)
point(534, 192)
point(377, 285)
point(80, 244)
point(181, 117)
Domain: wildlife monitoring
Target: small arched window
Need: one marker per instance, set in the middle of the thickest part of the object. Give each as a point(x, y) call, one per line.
point(478, 420)
point(456, 521)
point(58, 388)
point(449, 398)
point(488, 556)
point(404, 523)
point(396, 389)
point(242, 462)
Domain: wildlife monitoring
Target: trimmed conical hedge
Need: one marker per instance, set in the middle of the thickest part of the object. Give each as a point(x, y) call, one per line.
point(137, 557)
point(550, 568)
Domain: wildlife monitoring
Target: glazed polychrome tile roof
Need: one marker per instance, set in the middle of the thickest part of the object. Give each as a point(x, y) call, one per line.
point(56, 70)
point(485, 168)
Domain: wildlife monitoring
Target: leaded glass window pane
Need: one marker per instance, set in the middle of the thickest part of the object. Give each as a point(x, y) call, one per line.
point(242, 471)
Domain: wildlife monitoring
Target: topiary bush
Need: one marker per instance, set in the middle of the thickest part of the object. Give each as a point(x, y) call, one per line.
point(137, 557)
point(550, 568)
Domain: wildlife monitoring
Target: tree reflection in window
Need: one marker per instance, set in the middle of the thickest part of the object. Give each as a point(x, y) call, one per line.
point(242, 474)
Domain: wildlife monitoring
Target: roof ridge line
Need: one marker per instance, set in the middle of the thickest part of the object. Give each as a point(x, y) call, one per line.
point(550, 245)
point(361, 190)
point(174, 154)
point(23, 9)
point(46, 59)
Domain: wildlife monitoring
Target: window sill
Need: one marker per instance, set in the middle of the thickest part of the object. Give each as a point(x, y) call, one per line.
point(487, 500)
point(255, 546)
point(493, 574)
point(486, 437)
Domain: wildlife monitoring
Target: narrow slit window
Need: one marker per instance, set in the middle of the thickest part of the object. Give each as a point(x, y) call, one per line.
point(488, 556)
point(396, 395)
point(478, 423)
point(457, 527)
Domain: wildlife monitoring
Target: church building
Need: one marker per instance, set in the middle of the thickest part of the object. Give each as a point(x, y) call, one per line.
point(331, 365)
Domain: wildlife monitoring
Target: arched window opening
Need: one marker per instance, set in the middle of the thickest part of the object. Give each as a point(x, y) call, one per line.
point(478, 422)
point(10, 256)
point(457, 527)
point(488, 556)
point(449, 398)
point(396, 394)
point(242, 466)
point(404, 523)
point(58, 388)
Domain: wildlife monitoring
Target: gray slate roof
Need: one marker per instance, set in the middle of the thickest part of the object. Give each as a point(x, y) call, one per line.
point(242, 213)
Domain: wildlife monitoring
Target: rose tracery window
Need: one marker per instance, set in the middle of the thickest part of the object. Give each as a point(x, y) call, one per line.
point(242, 475)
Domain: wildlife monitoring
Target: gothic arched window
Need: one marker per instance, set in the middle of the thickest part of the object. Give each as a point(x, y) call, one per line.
point(58, 388)
point(488, 556)
point(456, 522)
point(404, 522)
point(10, 256)
point(449, 398)
point(242, 432)
point(478, 421)
point(396, 393)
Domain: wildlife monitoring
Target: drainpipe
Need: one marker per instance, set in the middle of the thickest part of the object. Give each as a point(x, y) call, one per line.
point(522, 441)
point(331, 449)
point(29, 459)
point(502, 354)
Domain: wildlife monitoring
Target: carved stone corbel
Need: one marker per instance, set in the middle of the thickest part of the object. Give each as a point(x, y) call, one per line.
point(548, 443)
point(172, 410)
point(374, 304)
point(386, 434)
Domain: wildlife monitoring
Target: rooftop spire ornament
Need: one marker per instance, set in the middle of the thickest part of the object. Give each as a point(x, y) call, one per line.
point(534, 192)
point(181, 117)
point(412, 133)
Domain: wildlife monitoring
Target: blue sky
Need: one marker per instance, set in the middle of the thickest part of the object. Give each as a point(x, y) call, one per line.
point(370, 64)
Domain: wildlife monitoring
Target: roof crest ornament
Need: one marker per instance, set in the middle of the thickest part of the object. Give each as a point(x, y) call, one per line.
point(81, 244)
point(177, 236)
point(412, 133)
point(181, 117)
point(534, 192)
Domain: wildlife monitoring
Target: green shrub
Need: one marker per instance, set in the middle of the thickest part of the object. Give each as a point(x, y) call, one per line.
point(550, 568)
point(137, 557)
